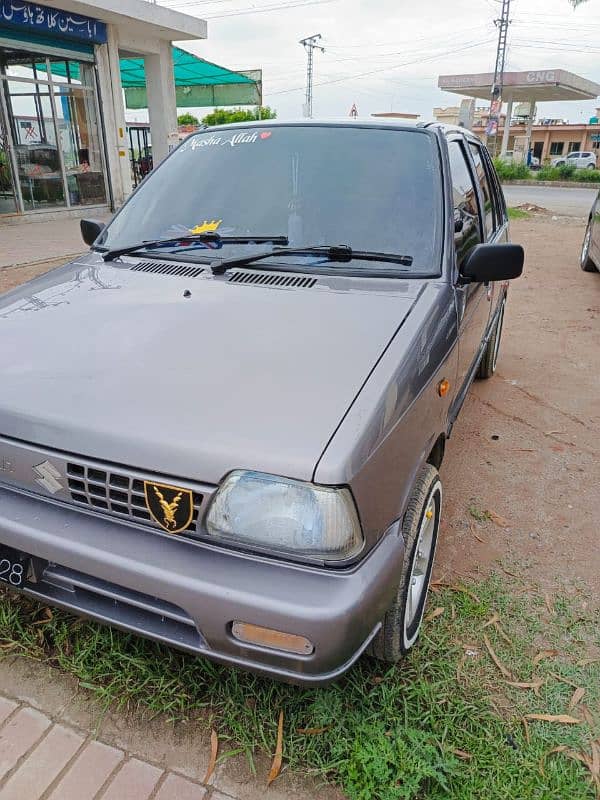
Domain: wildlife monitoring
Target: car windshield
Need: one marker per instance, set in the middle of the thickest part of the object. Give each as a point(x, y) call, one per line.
point(371, 189)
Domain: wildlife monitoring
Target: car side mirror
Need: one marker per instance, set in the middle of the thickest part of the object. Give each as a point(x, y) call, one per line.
point(493, 262)
point(91, 230)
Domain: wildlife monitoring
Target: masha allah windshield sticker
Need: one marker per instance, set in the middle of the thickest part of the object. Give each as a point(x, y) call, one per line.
point(232, 140)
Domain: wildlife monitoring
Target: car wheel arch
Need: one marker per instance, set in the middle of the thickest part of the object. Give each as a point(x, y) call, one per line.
point(436, 454)
point(433, 453)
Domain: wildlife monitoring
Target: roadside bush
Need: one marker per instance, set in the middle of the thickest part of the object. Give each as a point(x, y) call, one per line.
point(511, 172)
point(550, 174)
point(587, 175)
point(566, 172)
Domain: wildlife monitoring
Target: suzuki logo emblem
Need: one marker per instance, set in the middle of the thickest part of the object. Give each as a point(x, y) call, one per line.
point(48, 477)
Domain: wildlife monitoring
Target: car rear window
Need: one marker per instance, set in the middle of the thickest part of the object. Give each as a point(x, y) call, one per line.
point(370, 188)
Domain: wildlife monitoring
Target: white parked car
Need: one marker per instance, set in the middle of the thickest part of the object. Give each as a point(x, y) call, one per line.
point(580, 159)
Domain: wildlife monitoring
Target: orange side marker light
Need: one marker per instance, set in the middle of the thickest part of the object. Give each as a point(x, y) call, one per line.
point(443, 387)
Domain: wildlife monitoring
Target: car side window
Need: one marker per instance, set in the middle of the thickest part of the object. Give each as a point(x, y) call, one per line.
point(467, 222)
point(488, 210)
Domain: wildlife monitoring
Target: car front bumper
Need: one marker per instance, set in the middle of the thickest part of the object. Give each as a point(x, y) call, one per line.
point(187, 594)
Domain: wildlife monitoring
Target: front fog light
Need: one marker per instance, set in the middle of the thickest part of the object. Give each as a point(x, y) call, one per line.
point(286, 515)
point(267, 637)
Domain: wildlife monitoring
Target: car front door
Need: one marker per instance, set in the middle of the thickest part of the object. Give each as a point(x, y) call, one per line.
point(472, 306)
point(574, 159)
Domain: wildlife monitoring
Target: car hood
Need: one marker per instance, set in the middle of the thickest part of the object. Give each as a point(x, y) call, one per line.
point(119, 365)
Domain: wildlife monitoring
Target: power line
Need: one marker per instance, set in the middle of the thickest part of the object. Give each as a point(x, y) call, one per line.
point(254, 9)
point(386, 69)
point(173, 3)
point(399, 42)
point(328, 62)
point(310, 44)
point(558, 48)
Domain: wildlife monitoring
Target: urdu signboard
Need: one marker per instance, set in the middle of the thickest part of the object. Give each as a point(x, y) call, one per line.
point(24, 16)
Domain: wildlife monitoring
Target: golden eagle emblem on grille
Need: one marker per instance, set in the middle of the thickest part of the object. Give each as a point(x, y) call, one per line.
point(170, 506)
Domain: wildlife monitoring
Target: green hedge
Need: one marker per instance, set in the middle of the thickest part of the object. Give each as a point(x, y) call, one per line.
point(566, 172)
point(587, 176)
point(511, 172)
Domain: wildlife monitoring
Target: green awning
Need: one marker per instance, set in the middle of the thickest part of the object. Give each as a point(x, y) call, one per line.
point(198, 83)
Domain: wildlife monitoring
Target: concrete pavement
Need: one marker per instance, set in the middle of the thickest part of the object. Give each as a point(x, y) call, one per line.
point(40, 757)
point(29, 242)
point(569, 201)
point(58, 743)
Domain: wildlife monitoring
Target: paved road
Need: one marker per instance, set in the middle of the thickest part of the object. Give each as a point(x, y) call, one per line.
point(573, 202)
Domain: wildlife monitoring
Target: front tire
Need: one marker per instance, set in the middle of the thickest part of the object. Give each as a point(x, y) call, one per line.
point(402, 623)
point(487, 365)
point(585, 262)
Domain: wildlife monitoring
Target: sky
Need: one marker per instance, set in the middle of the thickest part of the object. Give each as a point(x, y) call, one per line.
point(402, 46)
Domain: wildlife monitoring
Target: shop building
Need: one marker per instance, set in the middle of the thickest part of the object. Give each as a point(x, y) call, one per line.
point(550, 138)
point(64, 145)
point(523, 91)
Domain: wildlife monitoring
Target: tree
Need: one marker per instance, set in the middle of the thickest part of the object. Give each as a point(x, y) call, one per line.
point(187, 119)
point(222, 116)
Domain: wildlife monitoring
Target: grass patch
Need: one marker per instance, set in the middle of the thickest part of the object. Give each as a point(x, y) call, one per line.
point(518, 213)
point(441, 724)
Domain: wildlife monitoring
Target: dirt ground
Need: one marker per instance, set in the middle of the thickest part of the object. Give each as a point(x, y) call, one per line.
point(526, 446)
point(13, 276)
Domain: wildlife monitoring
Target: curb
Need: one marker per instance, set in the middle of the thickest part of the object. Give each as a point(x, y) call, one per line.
point(558, 184)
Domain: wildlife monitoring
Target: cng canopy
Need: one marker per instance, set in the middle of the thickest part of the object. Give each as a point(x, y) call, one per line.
point(535, 85)
point(198, 83)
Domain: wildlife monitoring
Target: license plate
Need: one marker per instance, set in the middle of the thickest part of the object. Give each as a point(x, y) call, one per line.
point(14, 566)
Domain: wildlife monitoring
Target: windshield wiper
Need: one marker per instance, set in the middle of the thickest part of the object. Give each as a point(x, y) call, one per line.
point(183, 239)
point(340, 253)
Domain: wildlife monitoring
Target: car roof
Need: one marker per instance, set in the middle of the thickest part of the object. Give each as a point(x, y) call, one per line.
point(358, 122)
point(354, 122)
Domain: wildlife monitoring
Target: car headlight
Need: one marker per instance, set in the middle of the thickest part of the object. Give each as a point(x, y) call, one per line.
point(284, 515)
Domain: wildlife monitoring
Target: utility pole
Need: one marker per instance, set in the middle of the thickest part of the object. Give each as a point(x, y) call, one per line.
point(310, 44)
point(496, 100)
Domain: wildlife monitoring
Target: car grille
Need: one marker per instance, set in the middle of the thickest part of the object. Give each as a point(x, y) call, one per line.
point(115, 492)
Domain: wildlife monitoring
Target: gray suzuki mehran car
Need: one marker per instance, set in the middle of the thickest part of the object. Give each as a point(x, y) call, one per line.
point(221, 428)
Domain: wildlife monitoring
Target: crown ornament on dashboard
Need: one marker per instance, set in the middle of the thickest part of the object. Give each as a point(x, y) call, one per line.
point(207, 227)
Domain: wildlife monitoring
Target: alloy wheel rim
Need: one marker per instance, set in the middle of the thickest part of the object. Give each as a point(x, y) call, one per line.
point(419, 573)
point(586, 244)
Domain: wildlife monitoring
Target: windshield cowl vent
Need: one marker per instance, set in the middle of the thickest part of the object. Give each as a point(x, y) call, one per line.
point(269, 279)
point(180, 270)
